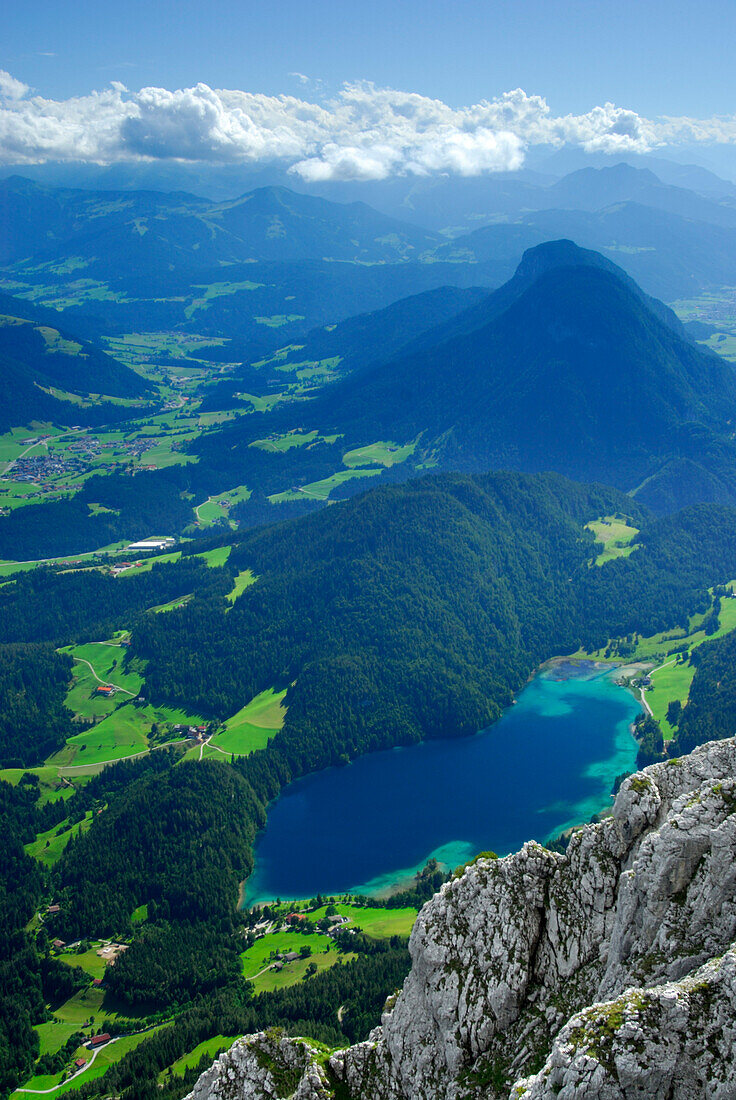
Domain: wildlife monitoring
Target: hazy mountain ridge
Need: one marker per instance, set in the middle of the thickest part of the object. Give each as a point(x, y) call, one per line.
point(568, 366)
point(43, 225)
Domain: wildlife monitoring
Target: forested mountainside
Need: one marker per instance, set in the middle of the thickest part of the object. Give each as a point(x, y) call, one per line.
point(411, 611)
point(380, 335)
point(427, 603)
point(568, 366)
point(43, 369)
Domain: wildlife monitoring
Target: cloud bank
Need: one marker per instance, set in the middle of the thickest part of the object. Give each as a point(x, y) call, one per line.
point(363, 133)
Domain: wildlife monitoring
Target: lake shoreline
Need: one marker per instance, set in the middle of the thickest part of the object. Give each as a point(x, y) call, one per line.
point(385, 806)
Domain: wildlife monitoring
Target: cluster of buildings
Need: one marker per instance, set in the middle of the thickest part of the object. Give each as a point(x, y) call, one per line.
point(45, 467)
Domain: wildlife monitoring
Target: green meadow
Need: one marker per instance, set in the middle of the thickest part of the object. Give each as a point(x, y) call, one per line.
point(108, 664)
point(280, 443)
point(243, 580)
point(320, 490)
point(253, 726)
point(379, 454)
point(48, 847)
point(217, 508)
point(52, 786)
point(615, 535)
point(123, 733)
point(209, 1050)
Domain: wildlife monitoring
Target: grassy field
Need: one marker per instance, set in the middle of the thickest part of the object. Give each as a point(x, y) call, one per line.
point(215, 557)
point(106, 1056)
point(172, 605)
point(379, 454)
point(379, 923)
point(147, 565)
point(216, 290)
point(89, 961)
point(209, 1049)
point(48, 846)
point(261, 404)
point(51, 786)
point(217, 508)
point(615, 535)
point(376, 922)
point(724, 345)
point(320, 490)
point(108, 662)
point(669, 682)
point(256, 958)
point(254, 725)
point(277, 444)
point(243, 580)
point(124, 732)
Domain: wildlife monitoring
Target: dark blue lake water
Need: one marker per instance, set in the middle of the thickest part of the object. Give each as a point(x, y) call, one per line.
point(549, 763)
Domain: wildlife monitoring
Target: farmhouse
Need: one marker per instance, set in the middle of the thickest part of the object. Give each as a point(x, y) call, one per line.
point(98, 1040)
point(79, 1062)
point(105, 690)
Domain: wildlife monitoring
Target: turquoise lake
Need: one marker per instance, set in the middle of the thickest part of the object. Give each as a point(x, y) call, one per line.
point(549, 763)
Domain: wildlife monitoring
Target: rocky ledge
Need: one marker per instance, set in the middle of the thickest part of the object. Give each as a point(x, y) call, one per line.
point(607, 973)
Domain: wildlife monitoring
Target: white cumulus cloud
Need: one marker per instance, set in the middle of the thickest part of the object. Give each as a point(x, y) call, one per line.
point(362, 133)
point(10, 88)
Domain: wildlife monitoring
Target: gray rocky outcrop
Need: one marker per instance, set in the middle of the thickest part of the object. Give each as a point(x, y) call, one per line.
point(265, 1065)
point(604, 973)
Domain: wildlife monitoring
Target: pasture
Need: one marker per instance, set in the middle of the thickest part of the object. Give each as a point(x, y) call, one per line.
point(615, 535)
point(381, 453)
point(252, 727)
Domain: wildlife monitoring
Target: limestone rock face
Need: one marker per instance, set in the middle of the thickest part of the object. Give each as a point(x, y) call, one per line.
point(670, 1042)
point(264, 1065)
point(636, 920)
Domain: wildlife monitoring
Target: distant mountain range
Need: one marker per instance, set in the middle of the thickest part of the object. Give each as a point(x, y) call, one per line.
point(157, 253)
point(160, 231)
point(671, 256)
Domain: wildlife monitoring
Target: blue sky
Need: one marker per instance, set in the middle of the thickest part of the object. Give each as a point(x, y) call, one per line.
point(656, 57)
point(376, 88)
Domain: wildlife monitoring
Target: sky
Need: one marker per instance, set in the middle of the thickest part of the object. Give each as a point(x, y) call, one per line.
point(362, 90)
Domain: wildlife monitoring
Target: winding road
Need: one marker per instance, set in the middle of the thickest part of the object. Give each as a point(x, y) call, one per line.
point(63, 1084)
point(117, 687)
